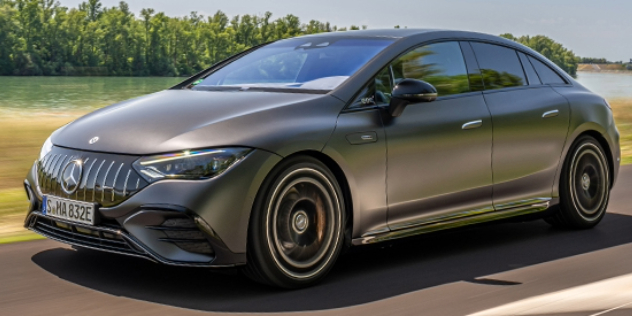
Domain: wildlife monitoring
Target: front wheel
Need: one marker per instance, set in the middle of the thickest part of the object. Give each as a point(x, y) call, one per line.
point(584, 186)
point(296, 229)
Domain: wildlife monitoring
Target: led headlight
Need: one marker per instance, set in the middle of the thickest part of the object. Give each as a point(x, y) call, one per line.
point(46, 148)
point(192, 165)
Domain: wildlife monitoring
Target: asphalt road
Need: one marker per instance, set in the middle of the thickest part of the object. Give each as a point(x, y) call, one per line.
point(514, 268)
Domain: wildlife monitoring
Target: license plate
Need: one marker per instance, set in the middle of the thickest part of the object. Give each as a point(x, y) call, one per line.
point(74, 211)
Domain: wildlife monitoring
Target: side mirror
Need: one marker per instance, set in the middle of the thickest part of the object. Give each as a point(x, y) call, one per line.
point(410, 91)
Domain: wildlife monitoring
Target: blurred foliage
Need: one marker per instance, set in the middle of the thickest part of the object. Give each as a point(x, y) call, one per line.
point(41, 37)
point(554, 51)
point(590, 60)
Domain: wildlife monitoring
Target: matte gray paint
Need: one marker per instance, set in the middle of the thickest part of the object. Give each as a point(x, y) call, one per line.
point(280, 124)
point(175, 120)
point(527, 147)
point(435, 168)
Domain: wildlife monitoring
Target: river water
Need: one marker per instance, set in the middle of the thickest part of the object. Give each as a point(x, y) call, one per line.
point(61, 94)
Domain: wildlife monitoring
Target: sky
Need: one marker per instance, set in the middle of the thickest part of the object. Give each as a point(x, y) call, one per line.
point(589, 28)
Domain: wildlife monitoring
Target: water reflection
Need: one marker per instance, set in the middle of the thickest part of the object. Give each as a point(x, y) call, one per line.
point(608, 85)
point(74, 93)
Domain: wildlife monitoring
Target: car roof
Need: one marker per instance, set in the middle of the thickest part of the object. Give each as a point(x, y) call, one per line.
point(393, 33)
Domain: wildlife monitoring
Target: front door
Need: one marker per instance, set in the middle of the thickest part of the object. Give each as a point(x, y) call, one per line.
point(438, 153)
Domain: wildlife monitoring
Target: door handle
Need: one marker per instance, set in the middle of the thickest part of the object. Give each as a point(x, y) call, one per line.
point(473, 124)
point(551, 113)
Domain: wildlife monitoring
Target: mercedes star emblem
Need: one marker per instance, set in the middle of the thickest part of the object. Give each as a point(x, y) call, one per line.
point(71, 176)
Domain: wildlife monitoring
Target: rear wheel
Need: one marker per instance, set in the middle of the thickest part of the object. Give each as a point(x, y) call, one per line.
point(296, 229)
point(584, 186)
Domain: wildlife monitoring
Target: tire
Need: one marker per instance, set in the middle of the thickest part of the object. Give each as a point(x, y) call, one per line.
point(584, 186)
point(296, 228)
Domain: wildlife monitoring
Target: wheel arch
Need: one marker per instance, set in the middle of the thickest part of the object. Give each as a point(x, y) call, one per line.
point(599, 137)
point(342, 182)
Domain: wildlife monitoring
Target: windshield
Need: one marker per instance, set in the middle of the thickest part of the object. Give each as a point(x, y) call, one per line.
point(307, 64)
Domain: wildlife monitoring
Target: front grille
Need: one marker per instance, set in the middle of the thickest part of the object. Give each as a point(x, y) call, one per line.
point(104, 238)
point(107, 179)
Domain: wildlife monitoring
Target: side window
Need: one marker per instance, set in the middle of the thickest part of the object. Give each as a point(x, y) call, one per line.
point(474, 73)
point(547, 75)
point(440, 64)
point(534, 80)
point(376, 92)
point(499, 65)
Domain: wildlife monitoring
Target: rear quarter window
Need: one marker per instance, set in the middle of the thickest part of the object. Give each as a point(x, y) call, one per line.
point(547, 75)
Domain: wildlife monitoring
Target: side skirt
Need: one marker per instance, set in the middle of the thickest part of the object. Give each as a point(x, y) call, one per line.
point(502, 212)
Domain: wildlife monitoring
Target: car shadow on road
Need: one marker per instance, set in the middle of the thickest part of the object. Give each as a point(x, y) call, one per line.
point(363, 275)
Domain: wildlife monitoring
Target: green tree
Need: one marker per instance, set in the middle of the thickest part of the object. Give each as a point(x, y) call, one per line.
point(554, 51)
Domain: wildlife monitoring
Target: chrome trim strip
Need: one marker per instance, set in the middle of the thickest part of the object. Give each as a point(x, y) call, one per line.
point(148, 254)
point(85, 185)
point(126, 180)
point(519, 203)
point(105, 181)
point(442, 218)
point(58, 175)
point(459, 222)
point(115, 178)
point(49, 173)
point(137, 183)
point(41, 166)
point(94, 183)
point(81, 180)
point(472, 124)
point(551, 113)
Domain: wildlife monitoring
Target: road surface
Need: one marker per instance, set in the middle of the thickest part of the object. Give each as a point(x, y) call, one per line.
point(522, 268)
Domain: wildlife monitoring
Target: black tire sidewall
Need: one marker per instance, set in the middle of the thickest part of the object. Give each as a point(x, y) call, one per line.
point(259, 256)
point(569, 214)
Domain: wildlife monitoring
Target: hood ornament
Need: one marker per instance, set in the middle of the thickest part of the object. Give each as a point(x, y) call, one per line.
point(93, 140)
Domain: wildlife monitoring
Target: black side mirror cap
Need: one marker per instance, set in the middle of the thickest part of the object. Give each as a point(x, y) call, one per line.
point(410, 91)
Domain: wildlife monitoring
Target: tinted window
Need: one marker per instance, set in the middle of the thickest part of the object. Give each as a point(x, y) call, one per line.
point(314, 64)
point(474, 73)
point(547, 75)
point(499, 65)
point(440, 64)
point(528, 69)
point(376, 92)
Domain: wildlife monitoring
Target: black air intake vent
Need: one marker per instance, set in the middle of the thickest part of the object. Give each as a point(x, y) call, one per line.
point(184, 233)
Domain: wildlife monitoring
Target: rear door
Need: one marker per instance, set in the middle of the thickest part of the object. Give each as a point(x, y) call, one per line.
point(530, 125)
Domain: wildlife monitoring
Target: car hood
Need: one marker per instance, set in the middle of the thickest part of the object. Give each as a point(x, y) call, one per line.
point(176, 120)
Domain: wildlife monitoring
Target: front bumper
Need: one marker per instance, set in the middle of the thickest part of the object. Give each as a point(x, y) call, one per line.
point(188, 223)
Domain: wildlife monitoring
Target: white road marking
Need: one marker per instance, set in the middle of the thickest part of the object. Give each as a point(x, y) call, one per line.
point(612, 309)
point(603, 296)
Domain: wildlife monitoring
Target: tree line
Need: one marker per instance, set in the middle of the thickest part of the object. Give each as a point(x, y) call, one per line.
point(550, 49)
point(42, 37)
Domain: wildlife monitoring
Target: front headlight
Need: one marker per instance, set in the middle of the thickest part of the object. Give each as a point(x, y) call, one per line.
point(192, 165)
point(46, 148)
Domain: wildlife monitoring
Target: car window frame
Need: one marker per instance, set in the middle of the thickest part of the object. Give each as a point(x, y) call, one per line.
point(565, 77)
point(348, 107)
point(567, 83)
point(516, 51)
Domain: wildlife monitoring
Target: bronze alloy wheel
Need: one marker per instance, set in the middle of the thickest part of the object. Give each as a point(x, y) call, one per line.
point(303, 222)
point(584, 186)
point(298, 230)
